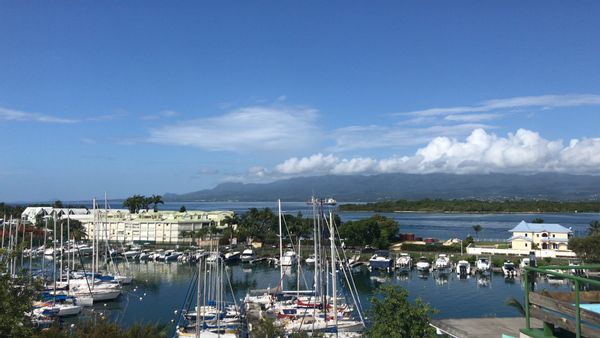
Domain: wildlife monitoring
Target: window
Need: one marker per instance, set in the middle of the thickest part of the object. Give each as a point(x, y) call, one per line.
point(525, 244)
point(553, 235)
point(525, 235)
point(537, 235)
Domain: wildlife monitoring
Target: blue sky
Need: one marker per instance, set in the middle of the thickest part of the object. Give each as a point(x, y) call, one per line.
point(152, 97)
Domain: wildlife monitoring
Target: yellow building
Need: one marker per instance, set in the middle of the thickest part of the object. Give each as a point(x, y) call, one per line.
point(168, 227)
point(536, 236)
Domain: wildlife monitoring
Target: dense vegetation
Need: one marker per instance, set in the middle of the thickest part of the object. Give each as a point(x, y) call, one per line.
point(136, 203)
point(392, 315)
point(438, 205)
point(588, 248)
point(377, 231)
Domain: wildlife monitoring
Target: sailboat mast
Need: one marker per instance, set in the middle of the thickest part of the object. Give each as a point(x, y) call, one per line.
point(54, 258)
point(61, 251)
point(333, 270)
point(280, 247)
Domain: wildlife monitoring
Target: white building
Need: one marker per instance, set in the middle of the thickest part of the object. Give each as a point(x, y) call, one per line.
point(168, 227)
point(31, 214)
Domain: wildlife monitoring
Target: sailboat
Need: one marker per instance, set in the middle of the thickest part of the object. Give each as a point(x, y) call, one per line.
point(213, 315)
point(317, 310)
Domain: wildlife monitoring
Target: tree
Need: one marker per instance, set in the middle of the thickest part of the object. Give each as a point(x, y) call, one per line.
point(538, 220)
point(135, 203)
point(393, 315)
point(182, 209)
point(16, 299)
point(477, 228)
point(594, 228)
point(587, 248)
point(57, 204)
point(156, 200)
point(376, 231)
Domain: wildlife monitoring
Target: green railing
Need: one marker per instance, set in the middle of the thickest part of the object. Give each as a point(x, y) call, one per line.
point(578, 281)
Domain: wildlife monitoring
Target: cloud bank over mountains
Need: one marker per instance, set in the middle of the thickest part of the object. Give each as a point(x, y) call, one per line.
point(525, 151)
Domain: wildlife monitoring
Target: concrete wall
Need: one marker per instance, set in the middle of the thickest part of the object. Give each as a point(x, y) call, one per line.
point(538, 253)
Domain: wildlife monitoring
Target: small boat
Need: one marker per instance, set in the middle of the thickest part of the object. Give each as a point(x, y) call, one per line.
point(404, 262)
point(289, 258)
point(442, 264)
point(509, 270)
point(171, 256)
point(232, 256)
point(380, 261)
point(524, 262)
point(463, 268)
point(311, 259)
point(423, 264)
point(483, 265)
point(248, 255)
point(131, 254)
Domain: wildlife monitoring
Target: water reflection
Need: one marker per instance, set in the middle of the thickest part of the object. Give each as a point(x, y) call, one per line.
point(159, 289)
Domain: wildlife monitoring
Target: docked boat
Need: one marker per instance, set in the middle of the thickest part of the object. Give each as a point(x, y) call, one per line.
point(423, 264)
point(311, 259)
point(232, 256)
point(442, 264)
point(289, 258)
point(483, 266)
point(463, 268)
point(404, 262)
point(380, 261)
point(509, 270)
point(248, 255)
point(524, 263)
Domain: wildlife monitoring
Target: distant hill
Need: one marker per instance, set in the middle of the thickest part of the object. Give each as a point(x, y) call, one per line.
point(407, 186)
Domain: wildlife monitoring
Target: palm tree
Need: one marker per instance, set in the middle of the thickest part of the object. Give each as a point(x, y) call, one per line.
point(477, 229)
point(594, 228)
point(156, 200)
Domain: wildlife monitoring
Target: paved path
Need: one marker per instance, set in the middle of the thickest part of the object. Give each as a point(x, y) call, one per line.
point(483, 327)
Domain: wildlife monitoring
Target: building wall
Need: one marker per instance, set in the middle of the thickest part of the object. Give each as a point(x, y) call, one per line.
point(537, 239)
point(159, 227)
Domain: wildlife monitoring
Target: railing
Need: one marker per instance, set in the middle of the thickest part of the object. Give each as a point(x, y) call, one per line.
point(545, 307)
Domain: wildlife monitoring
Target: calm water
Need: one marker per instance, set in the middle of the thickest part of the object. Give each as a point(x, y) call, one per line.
point(435, 225)
point(160, 289)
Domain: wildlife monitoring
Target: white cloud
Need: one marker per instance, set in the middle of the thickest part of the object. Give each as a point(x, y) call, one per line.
point(542, 101)
point(251, 128)
point(374, 136)
point(16, 115)
point(481, 152)
point(472, 117)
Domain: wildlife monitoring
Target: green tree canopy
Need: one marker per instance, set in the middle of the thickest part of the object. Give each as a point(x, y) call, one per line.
point(587, 248)
point(392, 315)
point(594, 228)
point(376, 231)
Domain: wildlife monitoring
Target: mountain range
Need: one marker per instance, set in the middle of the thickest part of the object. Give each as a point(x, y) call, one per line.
point(360, 188)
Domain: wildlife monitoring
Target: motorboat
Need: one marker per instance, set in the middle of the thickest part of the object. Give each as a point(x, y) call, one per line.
point(509, 270)
point(463, 268)
point(311, 259)
point(404, 262)
point(380, 260)
point(423, 264)
point(232, 256)
point(483, 265)
point(289, 258)
point(442, 263)
point(248, 255)
point(171, 256)
point(131, 254)
point(524, 262)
